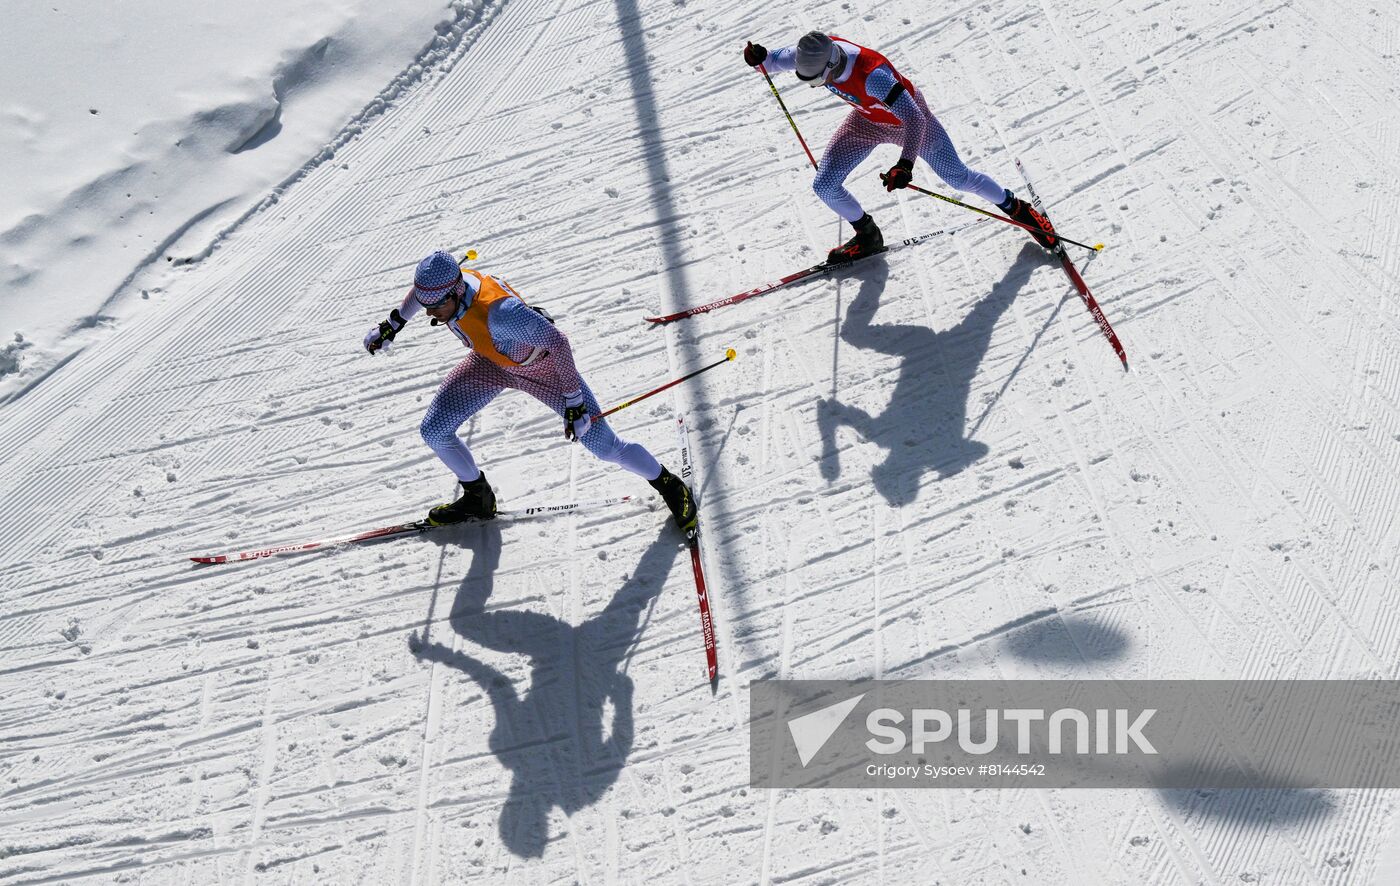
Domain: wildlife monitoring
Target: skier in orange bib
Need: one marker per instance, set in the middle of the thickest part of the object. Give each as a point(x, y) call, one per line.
point(513, 346)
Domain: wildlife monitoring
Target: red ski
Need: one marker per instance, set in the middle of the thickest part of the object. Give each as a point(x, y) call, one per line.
point(402, 529)
point(707, 626)
point(1075, 278)
point(813, 271)
point(1094, 310)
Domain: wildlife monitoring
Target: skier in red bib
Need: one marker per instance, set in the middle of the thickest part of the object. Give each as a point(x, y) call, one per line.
point(513, 345)
point(888, 109)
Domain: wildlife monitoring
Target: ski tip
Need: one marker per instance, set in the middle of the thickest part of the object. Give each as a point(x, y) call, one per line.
point(714, 682)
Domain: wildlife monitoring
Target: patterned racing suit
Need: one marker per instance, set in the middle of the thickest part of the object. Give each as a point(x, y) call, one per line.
point(513, 346)
point(888, 109)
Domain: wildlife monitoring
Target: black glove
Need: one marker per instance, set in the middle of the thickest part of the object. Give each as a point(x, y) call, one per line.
point(577, 421)
point(900, 174)
point(379, 339)
point(754, 54)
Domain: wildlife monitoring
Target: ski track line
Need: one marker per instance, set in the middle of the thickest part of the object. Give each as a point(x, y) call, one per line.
point(684, 864)
point(1140, 429)
point(511, 45)
point(263, 781)
point(1069, 860)
point(785, 635)
point(432, 720)
point(1263, 87)
point(574, 616)
point(1303, 381)
point(1054, 24)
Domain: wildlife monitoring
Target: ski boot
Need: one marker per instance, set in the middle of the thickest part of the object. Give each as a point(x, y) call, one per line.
point(678, 499)
point(478, 502)
point(867, 241)
point(1021, 211)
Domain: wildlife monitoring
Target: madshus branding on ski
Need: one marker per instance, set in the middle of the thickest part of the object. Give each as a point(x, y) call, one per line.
point(1073, 733)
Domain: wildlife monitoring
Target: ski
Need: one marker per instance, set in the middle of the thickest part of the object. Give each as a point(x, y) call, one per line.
point(1075, 278)
point(707, 625)
point(405, 529)
point(813, 271)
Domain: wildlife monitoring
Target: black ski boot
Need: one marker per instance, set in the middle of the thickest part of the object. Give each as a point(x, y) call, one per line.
point(867, 241)
point(478, 502)
point(1026, 214)
point(678, 499)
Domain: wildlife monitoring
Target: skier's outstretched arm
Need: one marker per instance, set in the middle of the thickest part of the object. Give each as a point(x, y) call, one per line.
point(409, 307)
point(382, 336)
point(784, 59)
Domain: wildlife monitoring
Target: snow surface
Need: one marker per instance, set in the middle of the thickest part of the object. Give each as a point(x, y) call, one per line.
point(929, 467)
point(136, 134)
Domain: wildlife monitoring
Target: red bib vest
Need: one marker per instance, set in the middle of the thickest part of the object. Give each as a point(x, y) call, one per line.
point(853, 88)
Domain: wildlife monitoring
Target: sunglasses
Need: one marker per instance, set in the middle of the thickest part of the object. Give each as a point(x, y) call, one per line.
point(455, 289)
point(832, 65)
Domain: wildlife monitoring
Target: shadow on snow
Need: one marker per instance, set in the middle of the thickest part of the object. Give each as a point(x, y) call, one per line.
point(567, 736)
point(922, 427)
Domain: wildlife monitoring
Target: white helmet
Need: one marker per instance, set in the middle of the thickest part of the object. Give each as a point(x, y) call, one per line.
point(817, 55)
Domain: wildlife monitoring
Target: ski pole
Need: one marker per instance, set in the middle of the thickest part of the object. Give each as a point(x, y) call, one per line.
point(764, 71)
point(729, 354)
point(1010, 221)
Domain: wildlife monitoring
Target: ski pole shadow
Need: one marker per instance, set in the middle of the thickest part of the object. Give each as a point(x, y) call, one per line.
point(553, 736)
point(922, 427)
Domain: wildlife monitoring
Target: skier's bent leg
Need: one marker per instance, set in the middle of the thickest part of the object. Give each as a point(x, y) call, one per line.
point(462, 394)
point(604, 443)
point(939, 153)
point(608, 446)
point(845, 152)
point(600, 439)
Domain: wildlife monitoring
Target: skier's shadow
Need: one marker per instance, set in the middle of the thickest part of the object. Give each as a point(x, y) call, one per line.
point(553, 738)
point(922, 427)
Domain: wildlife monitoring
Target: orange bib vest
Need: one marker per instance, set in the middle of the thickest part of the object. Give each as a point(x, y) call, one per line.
point(472, 323)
